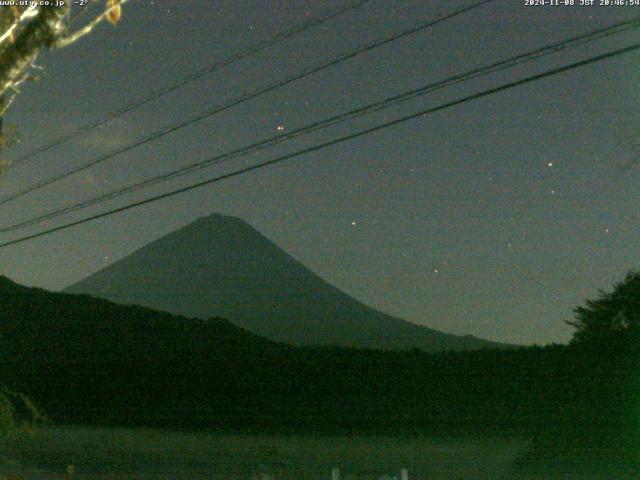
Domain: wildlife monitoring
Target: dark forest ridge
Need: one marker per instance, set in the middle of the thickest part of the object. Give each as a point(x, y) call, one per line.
point(88, 360)
point(91, 361)
point(220, 266)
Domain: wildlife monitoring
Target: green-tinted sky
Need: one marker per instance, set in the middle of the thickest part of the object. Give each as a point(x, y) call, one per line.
point(494, 218)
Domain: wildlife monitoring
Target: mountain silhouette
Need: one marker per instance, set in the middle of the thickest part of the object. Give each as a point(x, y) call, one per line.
point(85, 359)
point(220, 266)
point(91, 361)
point(88, 361)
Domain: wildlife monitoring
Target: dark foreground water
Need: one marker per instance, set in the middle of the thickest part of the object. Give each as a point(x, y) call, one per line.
point(100, 453)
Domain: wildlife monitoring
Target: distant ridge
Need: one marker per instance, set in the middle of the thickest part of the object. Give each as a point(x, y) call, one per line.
point(89, 361)
point(220, 266)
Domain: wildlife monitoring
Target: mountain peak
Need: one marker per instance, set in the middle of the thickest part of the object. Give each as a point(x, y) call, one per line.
point(220, 266)
point(217, 225)
point(217, 218)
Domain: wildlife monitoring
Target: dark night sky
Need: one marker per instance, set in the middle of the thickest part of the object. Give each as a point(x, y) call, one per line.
point(456, 220)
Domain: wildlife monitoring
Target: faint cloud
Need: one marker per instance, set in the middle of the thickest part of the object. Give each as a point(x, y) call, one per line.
point(630, 164)
point(633, 143)
point(91, 181)
point(104, 140)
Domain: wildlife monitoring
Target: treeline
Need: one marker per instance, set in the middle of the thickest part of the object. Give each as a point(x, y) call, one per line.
point(85, 360)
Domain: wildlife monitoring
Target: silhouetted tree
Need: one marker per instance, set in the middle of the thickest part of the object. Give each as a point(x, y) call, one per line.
point(613, 319)
point(26, 30)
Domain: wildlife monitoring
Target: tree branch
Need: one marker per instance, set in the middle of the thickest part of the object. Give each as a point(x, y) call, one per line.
point(28, 13)
point(42, 32)
point(88, 28)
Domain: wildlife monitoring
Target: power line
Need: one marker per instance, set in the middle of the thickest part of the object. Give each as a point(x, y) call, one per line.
point(239, 100)
point(336, 141)
point(209, 69)
point(279, 37)
point(370, 108)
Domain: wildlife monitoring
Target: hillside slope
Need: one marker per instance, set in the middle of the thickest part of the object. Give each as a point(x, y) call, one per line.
point(220, 266)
